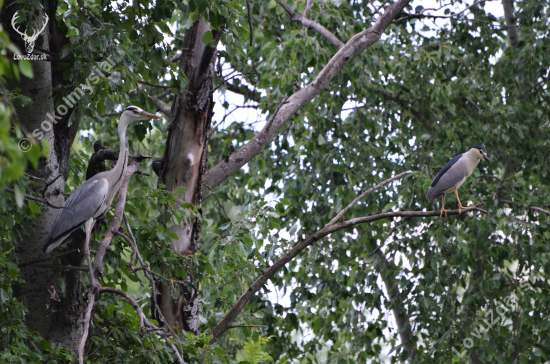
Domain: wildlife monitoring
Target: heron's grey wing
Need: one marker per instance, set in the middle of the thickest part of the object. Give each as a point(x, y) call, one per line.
point(83, 204)
point(445, 179)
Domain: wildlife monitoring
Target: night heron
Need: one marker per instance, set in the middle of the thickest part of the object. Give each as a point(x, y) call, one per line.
point(453, 175)
point(93, 198)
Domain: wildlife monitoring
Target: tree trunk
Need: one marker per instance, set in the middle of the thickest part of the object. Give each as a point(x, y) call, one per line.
point(54, 316)
point(184, 164)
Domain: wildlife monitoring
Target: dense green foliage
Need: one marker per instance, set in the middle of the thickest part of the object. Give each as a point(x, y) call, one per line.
point(421, 95)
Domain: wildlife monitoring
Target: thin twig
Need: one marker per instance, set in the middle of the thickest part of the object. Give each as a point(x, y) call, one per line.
point(309, 4)
point(37, 199)
point(47, 258)
point(236, 326)
point(479, 111)
point(153, 85)
point(37, 179)
point(358, 198)
point(163, 93)
point(144, 267)
point(249, 8)
point(53, 266)
point(145, 325)
point(272, 118)
point(302, 19)
point(48, 184)
point(539, 209)
point(229, 281)
point(230, 78)
point(219, 203)
point(148, 273)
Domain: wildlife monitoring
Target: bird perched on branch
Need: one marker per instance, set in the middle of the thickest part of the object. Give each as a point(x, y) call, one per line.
point(453, 175)
point(93, 198)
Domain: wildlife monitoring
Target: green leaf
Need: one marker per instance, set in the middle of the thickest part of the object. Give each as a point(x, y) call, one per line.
point(26, 68)
point(3, 295)
point(45, 345)
point(34, 207)
point(207, 37)
point(23, 100)
point(19, 196)
point(174, 293)
point(294, 229)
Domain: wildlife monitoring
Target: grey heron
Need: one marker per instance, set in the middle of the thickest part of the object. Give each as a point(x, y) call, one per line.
point(453, 175)
point(93, 198)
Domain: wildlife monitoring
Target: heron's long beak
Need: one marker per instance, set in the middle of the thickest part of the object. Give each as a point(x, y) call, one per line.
point(486, 158)
point(147, 115)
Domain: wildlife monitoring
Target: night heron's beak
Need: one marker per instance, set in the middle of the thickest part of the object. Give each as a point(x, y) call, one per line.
point(147, 115)
point(486, 158)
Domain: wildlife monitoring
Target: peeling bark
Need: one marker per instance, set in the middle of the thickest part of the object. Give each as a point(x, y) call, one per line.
point(184, 164)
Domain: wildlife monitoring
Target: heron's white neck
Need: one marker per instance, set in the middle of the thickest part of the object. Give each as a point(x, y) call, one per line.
point(122, 162)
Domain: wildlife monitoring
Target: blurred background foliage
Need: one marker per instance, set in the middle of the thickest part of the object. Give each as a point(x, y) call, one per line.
point(425, 92)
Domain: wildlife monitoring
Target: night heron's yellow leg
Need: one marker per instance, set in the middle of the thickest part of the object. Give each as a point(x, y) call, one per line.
point(443, 207)
point(460, 207)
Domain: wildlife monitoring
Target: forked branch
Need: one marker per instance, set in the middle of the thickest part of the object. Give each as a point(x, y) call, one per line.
point(367, 192)
point(145, 326)
point(227, 321)
point(303, 19)
point(296, 101)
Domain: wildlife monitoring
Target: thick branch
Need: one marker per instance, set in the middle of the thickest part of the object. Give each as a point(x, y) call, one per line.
point(97, 160)
point(302, 19)
point(87, 318)
point(510, 23)
point(367, 192)
point(225, 324)
point(260, 141)
point(102, 154)
point(161, 105)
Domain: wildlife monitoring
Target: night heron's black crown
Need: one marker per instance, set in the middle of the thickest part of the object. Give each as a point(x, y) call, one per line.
point(480, 148)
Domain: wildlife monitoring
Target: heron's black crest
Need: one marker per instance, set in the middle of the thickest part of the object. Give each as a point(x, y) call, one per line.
point(480, 148)
point(132, 108)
